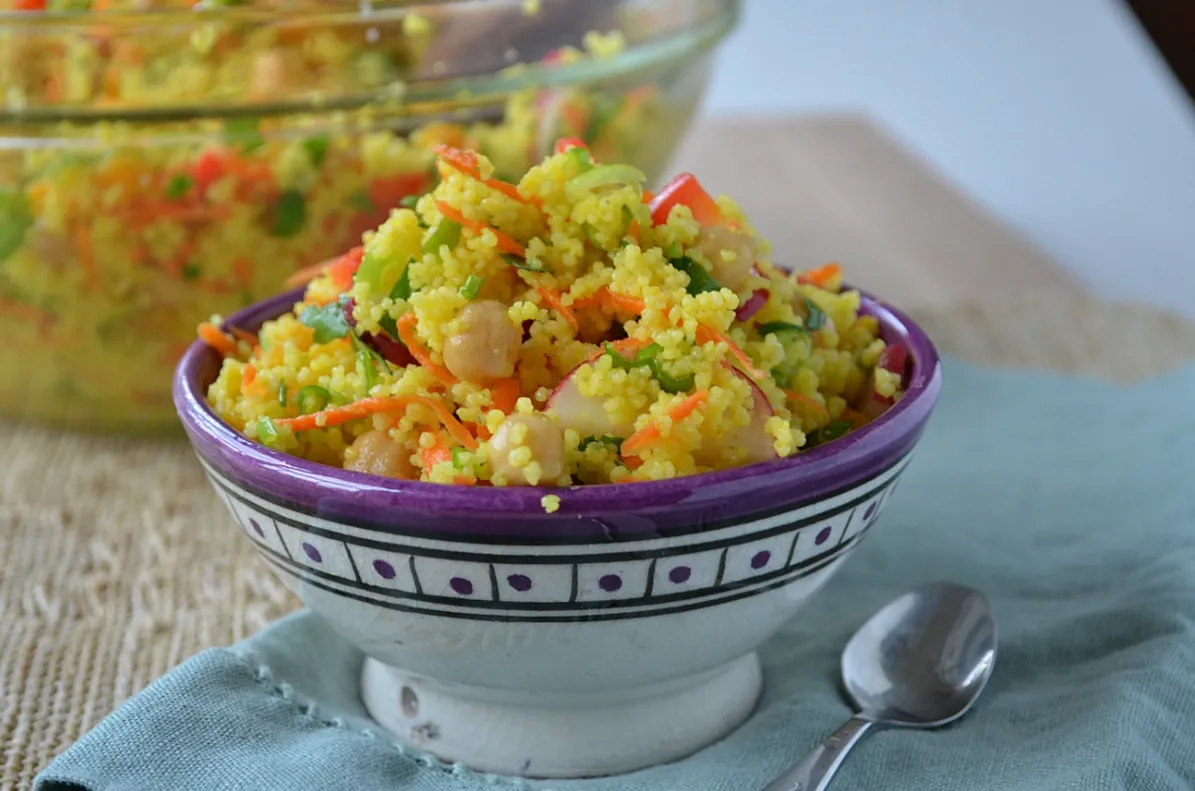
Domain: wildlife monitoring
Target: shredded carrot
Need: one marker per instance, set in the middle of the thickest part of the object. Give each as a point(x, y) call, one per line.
point(248, 377)
point(626, 347)
point(406, 334)
point(335, 416)
point(86, 254)
point(552, 297)
point(466, 162)
point(504, 394)
point(211, 335)
point(244, 335)
point(436, 454)
point(647, 436)
point(804, 400)
point(821, 277)
point(506, 243)
point(342, 269)
point(607, 298)
point(308, 273)
point(706, 334)
point(463, 480)
point(631, 462)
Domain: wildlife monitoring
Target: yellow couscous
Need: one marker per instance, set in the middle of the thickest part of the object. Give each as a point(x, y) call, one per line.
point(570, 329)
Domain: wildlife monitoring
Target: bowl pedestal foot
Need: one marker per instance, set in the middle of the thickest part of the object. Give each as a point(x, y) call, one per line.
point(558, 735)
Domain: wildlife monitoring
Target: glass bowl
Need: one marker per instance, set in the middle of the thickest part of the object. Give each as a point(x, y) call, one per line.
point(164, 164)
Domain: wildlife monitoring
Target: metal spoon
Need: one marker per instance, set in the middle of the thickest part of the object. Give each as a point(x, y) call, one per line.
point(920, 662)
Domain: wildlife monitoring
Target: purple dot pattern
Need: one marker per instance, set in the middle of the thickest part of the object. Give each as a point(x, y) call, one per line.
point(870, 512)
point(257, 528)
point(461, 585)
point(520, 582)
point(312, 553)
point(610, 582)
point(823, 536)
point(384, 569)
point(679, 574)
point(760, 559)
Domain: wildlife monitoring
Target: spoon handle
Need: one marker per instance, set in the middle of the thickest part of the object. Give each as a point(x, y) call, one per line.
point(815, 772)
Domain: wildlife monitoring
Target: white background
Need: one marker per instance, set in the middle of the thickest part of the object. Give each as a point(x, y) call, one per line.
point(1056, 115)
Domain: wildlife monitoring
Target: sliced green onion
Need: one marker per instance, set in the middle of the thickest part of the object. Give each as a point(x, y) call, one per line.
point(582, 157)
point(671, 384)
point(700, 280)
point(817, 317)
point(316, 148)
point(243, 133)
point(605, 439)
point(283, 401)
point(771, 327)
point(267, 433)
point(361, 201)
point(520, 263)
point(290, 214)
point(313, 398)
point(645, 355)
point(472, 287)
point(447, 233)
point(458, 457)
point(179, 186)
point(327, 321)
point(402, 287)
point(828, 432)
point(409, 201)
point(367, 367)
point(648, 356)
point(576, 188)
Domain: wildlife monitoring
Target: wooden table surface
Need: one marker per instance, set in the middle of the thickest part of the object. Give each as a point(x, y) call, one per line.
point(838, 188)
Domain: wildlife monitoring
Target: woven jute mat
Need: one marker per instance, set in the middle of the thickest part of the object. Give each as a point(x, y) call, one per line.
point(117, 561)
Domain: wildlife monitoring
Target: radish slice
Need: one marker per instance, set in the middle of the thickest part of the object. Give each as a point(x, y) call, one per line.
point(752, 438)
point(586, 414)
point(752, 305)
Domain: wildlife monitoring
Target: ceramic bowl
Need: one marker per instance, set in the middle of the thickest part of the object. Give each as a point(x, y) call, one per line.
point(616, 633)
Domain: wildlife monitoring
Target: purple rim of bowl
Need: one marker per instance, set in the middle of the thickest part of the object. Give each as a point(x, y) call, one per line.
point(587, 514)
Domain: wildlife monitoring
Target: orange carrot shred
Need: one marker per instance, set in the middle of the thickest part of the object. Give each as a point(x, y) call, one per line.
point(627, 303)
point(406, 334)
point(302, 277)
point(243, 335)
point(801, 398)
point(211, 335)
point(706, 334)
point(822, 276)
point(506, 243)
point(647, 436)
point(249, 375)
point(436, 454)
point(338, 415)
point(504, 394)
point(552, 297)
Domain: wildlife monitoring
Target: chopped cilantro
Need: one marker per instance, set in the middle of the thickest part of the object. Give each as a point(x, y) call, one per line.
point(290, 213)
point(402, 288)
point(179, 186)
point(327, 321)
point(648, 357)
point(317, 149)
point(388, 324)
point(605, 439)
point(700, 280)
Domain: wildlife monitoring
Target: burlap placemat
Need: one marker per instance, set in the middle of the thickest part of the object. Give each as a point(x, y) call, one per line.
point(118, 561)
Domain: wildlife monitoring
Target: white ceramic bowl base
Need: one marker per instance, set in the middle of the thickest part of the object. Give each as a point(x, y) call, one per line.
point(561, 660)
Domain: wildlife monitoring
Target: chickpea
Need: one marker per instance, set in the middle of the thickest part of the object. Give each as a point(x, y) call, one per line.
point(376, 453)
point(731, 253)
point(487, 346)
point(536, 432)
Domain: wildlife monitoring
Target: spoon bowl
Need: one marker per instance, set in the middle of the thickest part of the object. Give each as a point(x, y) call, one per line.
point(920, 662)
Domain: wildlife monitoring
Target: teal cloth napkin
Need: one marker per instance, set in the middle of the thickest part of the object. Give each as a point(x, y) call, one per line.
point(1070, 502)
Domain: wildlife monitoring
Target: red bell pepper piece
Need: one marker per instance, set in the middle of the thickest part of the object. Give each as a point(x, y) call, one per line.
point(687, 190)
point(565, 143)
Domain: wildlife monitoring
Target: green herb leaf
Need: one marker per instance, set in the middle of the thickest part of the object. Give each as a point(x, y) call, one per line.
point(283, 400)
point(409, 201)
point(472, 286)
point(458, 457)
point(362, 348)
point(243, 133)
point(648, 356)
point(361, 201)
point(290, 214)
point(828, 432)
point(388, 324)
point(817, 317)
point(317, 149)
point(525, 265)
point(402, 288)
point(313, 398)
point(15, 220)
point(191, 272)
point(179, 186)
point(605, 439)
point(327, 321)
point(772, 327)
point(700, 280)
point(447, 233)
